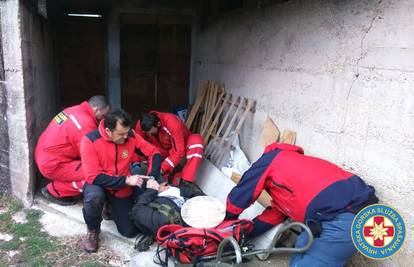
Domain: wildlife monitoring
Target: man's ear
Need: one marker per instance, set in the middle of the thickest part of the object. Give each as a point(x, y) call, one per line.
point(158, 124)
point(108, 132)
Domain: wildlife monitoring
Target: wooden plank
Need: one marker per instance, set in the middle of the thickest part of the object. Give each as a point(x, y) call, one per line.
point(205, 103)
point(264, 199)
point(207, 124)
point(226, 147)
point(215, 154)
point(232, 121)
point(197, 104)
point(219, 91)
point(270, 133)
point(211, 102)
point(216, 118)
point(247, 111)
point(213, 144)
point(226, 116)
point(289, 137)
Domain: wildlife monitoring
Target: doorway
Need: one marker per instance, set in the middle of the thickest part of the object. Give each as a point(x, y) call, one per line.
point(81, 56)
point(155, 62)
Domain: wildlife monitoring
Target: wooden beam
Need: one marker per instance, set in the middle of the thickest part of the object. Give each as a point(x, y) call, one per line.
point(289, 137)
point(264, 199)
point(270, 133)
point(197, 104)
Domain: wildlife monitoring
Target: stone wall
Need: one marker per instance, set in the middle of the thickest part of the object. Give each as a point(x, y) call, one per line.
point(4, 141)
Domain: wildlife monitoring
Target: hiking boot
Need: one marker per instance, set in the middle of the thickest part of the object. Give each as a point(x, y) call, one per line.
point(63, 201)
point(91, 242)
point(107, 212)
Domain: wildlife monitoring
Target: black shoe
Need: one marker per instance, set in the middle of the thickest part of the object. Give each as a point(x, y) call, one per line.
point(63, 201)
point(143, 242)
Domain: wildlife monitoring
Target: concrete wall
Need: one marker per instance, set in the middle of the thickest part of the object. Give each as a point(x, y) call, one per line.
point(341, 74)
point(14, 93)
point(28, 89)
point(5, 185)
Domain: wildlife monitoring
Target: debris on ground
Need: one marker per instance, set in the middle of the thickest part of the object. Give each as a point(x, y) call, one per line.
point(24, 242)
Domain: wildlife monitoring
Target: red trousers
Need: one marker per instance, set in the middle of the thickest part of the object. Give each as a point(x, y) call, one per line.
point(194, 155)
point(67, 179)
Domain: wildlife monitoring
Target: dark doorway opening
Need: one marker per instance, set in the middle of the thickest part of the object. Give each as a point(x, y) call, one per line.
point(81, 58)
point(155, 62)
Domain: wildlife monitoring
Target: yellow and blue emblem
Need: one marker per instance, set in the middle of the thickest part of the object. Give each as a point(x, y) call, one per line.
point(60, 118)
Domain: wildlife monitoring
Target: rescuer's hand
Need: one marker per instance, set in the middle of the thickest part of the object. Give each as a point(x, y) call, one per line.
point(134, 180)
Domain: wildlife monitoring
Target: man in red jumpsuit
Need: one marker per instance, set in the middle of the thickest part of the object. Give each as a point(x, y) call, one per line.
point(107, 154)
point(175, 142)
point(57, 152)
point(309, 190)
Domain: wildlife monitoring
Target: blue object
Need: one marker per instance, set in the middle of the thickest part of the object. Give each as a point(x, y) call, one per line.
point(333, 248)
point(181, 112)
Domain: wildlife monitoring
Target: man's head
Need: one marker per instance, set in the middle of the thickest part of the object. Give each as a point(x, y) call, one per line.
point(117, 124)
point(99, 106)
point(150, 123)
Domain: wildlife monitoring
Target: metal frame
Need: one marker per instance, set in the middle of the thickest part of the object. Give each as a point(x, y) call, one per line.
point(222, 257)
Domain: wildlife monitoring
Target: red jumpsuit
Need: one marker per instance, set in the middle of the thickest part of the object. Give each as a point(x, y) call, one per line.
point(175, 142)
point(57, 152)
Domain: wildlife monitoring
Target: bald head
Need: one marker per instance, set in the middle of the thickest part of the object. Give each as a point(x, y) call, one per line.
point(99, 106)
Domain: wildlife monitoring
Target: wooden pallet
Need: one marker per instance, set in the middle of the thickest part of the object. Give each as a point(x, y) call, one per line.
point(233, 111)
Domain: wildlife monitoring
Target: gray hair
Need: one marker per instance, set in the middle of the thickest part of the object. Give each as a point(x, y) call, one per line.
point(98, 101)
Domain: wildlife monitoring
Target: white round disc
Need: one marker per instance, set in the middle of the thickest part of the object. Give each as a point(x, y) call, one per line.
point(203, 212)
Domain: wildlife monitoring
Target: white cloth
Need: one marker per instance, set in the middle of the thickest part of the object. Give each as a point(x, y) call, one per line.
point(174, 194)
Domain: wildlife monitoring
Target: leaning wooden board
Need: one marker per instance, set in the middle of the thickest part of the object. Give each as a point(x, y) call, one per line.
point(202, 89)
point(264, 198)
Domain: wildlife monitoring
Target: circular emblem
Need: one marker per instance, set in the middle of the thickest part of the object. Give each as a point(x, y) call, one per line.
point(378, 231)
point(124, 154)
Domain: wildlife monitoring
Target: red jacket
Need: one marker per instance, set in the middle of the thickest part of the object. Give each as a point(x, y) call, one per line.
point(60, 142)
point(303, 188)
point(171, 139)
point(108, 164)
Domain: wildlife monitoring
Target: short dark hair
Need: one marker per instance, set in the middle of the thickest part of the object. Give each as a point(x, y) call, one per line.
point(98, 101)
point(149, 120)
point(115, 116)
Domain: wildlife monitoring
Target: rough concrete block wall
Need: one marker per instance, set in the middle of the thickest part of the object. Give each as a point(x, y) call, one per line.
point(28, 88)
point(5, 185)
point(341, 74)
point(14, 91)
